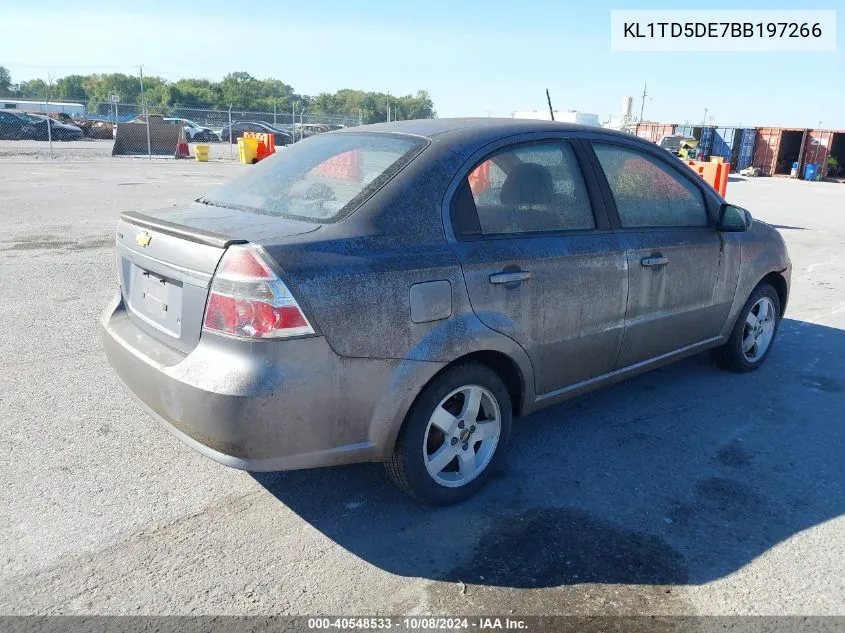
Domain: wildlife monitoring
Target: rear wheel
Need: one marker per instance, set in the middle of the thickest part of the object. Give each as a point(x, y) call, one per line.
point(754, 331)
point(454, 437)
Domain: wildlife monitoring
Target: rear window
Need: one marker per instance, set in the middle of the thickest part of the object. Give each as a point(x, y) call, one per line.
point(320, 179)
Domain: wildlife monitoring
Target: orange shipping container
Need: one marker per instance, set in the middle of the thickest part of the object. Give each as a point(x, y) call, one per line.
point(654, 132)
point(817, 148)
point(778, 148)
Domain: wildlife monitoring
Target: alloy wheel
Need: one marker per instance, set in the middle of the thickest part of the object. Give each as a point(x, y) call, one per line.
point(462, 435)
point(759, 329)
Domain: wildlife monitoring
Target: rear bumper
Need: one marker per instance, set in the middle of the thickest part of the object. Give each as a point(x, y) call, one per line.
point(263, 406)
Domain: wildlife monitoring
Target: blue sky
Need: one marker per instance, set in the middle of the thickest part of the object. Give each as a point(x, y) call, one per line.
point(475, 58)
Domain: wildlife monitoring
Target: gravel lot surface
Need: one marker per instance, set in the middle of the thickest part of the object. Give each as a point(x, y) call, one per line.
point(688, 490)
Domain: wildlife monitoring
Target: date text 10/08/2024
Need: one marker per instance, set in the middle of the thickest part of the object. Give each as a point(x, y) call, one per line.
point(418, 623)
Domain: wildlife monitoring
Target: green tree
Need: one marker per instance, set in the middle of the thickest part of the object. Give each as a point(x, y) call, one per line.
point(238, 90)
point(198, 93)
point(5, 82)
point(32, 89)
point(127, 87)
point(71, 88)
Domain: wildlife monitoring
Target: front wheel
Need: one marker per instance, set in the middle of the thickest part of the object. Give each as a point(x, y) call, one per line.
point(754, 331)
point(454, 436)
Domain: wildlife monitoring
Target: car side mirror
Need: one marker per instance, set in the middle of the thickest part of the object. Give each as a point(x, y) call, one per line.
point(733, 219)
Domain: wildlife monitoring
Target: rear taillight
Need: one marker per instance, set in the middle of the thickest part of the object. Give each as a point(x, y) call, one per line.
point(248, 300)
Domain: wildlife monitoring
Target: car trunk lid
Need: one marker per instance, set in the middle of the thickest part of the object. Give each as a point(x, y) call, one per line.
point(166, 261)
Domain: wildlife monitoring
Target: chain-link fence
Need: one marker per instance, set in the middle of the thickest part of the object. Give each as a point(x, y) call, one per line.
point(45, 126)
point(70, 130)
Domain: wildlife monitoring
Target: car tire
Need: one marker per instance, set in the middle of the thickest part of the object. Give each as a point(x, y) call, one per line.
point(752, 337)
point(477, 449)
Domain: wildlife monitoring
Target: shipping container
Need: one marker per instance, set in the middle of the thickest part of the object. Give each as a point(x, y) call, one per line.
point(817, 148)
point(705, 143)
point(724, 143)
point(822, 145)
point(778, 148)
point(732, 143)
point(837, 151)
point(654, 132)
point(746, 148)
point(689, 131)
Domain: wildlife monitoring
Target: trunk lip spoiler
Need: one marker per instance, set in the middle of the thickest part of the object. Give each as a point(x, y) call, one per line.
point(200, 236)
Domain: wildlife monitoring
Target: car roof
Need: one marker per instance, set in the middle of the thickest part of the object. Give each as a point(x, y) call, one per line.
point(467, 130)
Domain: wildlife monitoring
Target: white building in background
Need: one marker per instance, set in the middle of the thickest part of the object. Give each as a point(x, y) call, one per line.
point(568, 116)
point(623, 122)
point(74, 109)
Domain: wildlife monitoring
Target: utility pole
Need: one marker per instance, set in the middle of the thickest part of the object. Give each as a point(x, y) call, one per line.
point(642, 105)
point(146, 115)
point(388, 107)
point(704, 120)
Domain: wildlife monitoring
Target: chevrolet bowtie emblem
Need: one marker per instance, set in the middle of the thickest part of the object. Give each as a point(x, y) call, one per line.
point(143, 239)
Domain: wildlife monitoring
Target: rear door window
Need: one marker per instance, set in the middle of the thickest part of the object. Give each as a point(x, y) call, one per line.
point(530, 188)
point(320, 179)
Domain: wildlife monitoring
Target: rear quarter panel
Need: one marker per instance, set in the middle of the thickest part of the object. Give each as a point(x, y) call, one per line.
point(354, 279)
point(355, 275)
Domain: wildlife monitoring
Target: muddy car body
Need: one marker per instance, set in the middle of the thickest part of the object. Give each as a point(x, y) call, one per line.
point(424, 283)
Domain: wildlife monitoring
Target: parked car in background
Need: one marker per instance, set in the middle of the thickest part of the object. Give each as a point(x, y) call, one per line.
point(14, 127)
point(681, 146)
point(239, 127)
point(58, 131)
point(306, 130)
point(400, 292)
point(284, 131)
point(194, 132)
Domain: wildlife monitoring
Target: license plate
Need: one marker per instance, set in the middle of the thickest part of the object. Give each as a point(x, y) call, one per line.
point(157, 299)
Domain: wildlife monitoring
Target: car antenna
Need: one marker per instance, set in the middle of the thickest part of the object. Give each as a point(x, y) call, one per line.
point(549, 99)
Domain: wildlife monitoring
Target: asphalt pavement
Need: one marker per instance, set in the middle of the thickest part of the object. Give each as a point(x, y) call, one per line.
point(688, 490)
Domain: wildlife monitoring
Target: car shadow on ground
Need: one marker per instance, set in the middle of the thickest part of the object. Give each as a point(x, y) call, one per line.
point(683, 475)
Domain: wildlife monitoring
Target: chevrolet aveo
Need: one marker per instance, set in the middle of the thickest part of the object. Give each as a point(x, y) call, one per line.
point(401, 292)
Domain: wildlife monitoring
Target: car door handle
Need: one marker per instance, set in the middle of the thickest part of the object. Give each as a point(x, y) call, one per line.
point(660, 260)
point(510, 278)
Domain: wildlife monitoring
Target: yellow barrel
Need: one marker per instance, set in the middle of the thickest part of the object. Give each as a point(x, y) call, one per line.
point(248, 150)
point(201, 153)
